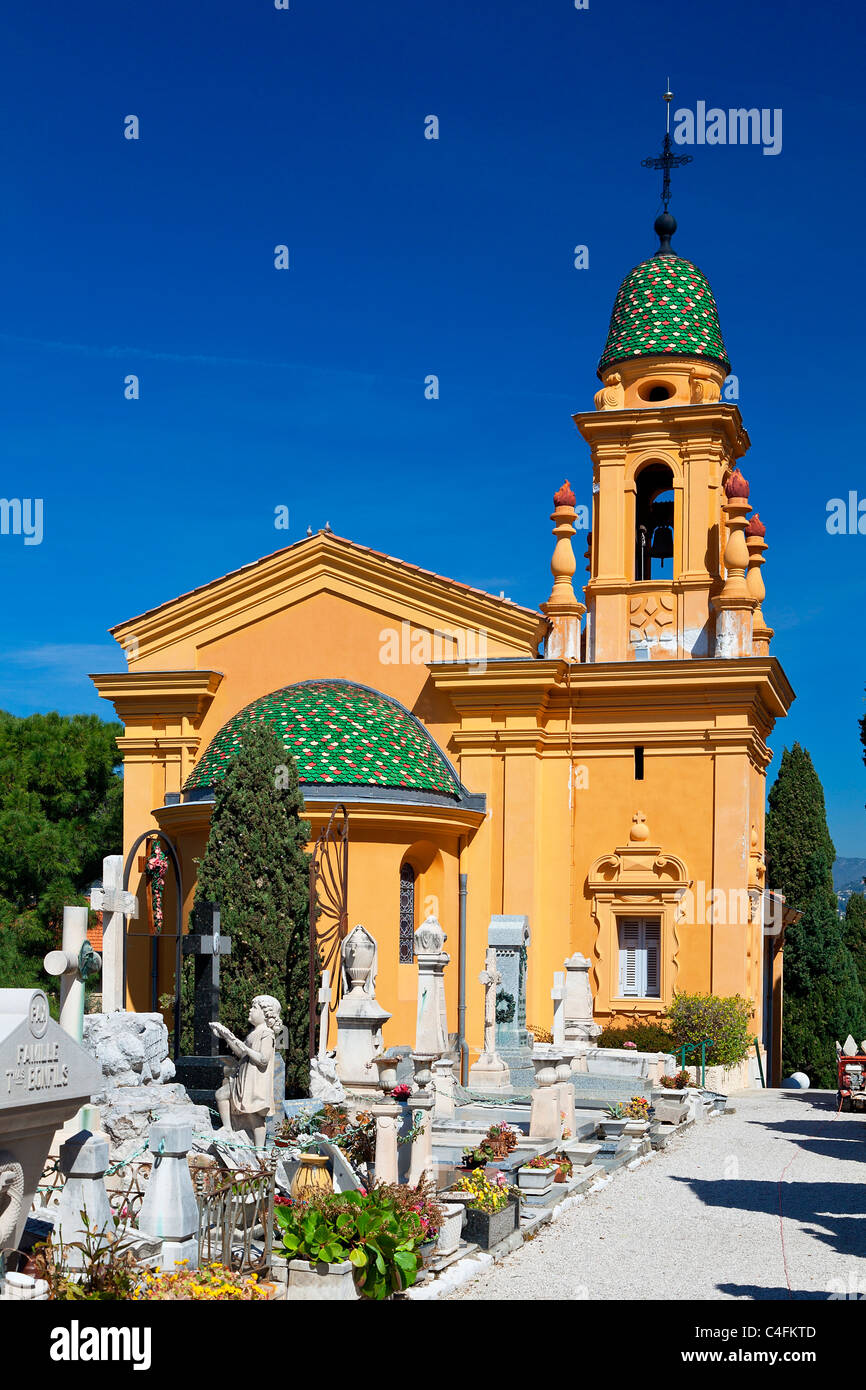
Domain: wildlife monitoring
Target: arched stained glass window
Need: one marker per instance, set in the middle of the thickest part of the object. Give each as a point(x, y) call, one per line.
point(407, 914)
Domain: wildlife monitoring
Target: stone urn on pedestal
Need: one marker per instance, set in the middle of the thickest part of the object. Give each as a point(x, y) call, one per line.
point(359, 1017)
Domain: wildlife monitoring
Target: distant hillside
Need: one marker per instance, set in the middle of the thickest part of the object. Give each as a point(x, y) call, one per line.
point(849, 874)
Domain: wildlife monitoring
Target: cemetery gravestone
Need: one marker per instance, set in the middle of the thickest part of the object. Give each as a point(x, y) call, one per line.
point(202, 1072)
point(45, 1077)
point(510, 937)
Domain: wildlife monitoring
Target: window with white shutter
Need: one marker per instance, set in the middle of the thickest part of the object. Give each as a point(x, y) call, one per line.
point(639, 957)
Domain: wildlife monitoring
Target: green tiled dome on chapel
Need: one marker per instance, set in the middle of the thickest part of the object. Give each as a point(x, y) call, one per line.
point(664, 306)
point(340, 733)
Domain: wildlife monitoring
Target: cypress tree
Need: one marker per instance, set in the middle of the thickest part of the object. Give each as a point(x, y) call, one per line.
point(256, 869)
point(855, 935)
point(823, 996)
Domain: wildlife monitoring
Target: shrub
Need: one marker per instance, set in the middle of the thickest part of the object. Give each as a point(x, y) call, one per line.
point(726, 1020)
point(647, 1037)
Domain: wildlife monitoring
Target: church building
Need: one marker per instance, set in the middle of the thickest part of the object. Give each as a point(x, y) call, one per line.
point(597, 765)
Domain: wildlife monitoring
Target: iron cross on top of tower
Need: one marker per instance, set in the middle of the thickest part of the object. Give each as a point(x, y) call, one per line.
point(666, 223)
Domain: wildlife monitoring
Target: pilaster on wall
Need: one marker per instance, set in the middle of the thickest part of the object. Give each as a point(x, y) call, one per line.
point(162, 713)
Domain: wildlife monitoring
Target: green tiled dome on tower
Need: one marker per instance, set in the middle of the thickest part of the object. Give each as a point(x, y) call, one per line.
point(664, 307)
point(338, 733)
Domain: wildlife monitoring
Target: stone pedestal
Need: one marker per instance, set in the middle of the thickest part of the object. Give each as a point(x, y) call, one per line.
point(359, 1016)
point(431, 1032)
point(579, 1025)
point(544, 1121)
point(443, 1089)
point(545, 1117)
point(359, 1040)
point(510, 938)
point(421, 1164)
point(169, 1209)
point(489, 1073)
point(387, 1113)
point(83, 1207)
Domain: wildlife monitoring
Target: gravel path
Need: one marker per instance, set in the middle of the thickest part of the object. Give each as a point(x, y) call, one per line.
point(701, 1220)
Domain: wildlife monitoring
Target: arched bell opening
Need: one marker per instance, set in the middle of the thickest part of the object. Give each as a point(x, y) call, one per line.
point(654, 521)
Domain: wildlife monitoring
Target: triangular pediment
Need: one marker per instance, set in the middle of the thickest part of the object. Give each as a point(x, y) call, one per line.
point(328, 563)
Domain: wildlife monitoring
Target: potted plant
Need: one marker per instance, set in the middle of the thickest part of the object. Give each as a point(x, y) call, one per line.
point(637, 1112)
point(493, 1208)
point(477, 1158)
point(350, 1244)
point(614, 1121)
point(537, 1175)
point(501, 1140)
point(564, 1167)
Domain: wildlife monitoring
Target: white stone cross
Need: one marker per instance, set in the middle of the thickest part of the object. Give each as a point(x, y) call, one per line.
point(74, 961)
point(115, 905)
point(557, 994)
point(324, 997)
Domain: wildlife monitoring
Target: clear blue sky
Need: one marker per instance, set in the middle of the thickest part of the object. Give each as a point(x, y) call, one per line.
point(408, 257)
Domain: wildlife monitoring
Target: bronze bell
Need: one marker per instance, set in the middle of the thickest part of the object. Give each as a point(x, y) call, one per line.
point(662, 547)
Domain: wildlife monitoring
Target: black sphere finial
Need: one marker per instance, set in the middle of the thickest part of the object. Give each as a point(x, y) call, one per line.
point(665, 225)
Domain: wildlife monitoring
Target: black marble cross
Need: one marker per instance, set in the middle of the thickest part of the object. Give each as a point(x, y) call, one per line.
point(207, 947)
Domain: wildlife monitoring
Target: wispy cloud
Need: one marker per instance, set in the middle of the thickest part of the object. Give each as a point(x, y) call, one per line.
point(196, 358)
point(67, 662)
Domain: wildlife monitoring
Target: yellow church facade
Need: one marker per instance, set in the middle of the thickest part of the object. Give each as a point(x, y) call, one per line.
point(597, 765)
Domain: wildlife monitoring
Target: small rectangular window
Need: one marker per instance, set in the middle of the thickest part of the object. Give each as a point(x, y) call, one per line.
point(638, 764)
point(639, 958)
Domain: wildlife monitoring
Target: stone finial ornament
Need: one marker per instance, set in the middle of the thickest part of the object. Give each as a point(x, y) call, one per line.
point(737, 486)
point(639, 828)
point(360, 962)
point(703, 387)
point(612, 395)
point(563, 608)
point(757, 546)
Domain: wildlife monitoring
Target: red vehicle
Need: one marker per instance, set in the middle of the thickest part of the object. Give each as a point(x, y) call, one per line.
point(851, 1094)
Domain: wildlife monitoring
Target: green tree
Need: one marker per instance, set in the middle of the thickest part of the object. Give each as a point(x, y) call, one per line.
point(823, 996)
point(855, 935)
point(256, 869)
point(61, 811)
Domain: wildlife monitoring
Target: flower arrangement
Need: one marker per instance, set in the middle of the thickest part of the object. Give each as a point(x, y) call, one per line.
point(357, 1138)
point(156, 869)
point(540, 1161)
point(632, 1046)
point(205, 1284)
point(477, 1158)
point(680, 1082)
point(501, 1139)
point(564, 1167)
point(637, 1108)
point(401, 1092)
point(489, 1194)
